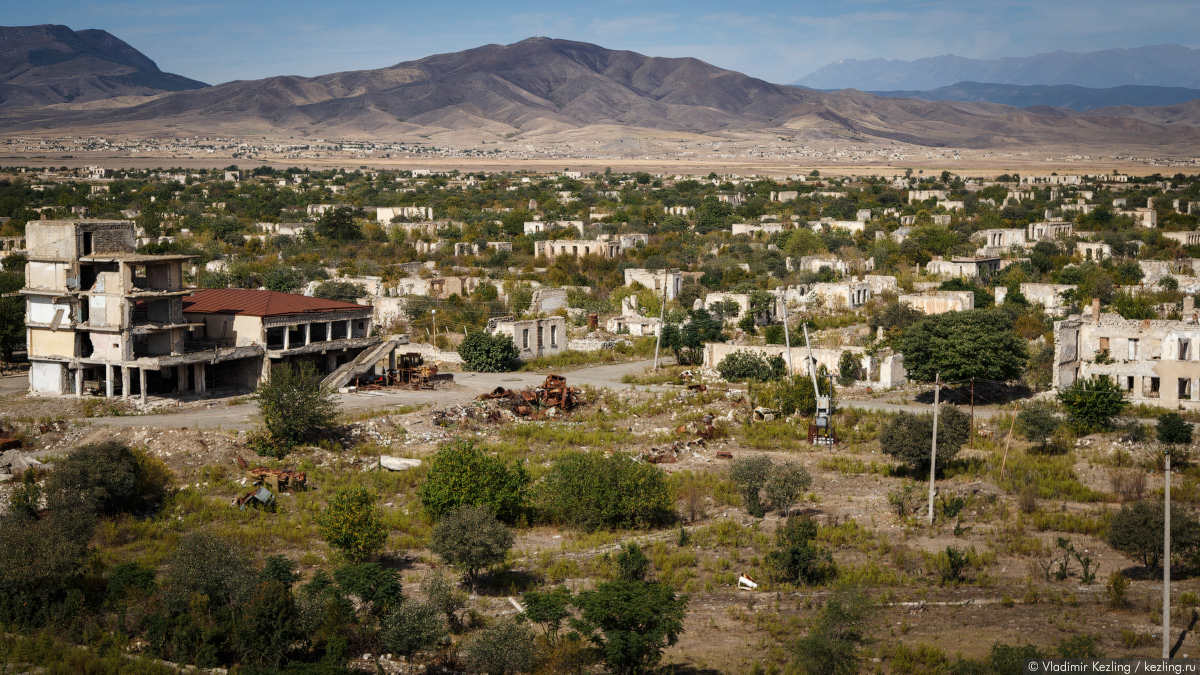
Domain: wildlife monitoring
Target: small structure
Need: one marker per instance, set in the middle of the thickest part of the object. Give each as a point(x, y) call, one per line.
point(656, 280)
point(534, 338)
point(940, 302)
point(964, 267)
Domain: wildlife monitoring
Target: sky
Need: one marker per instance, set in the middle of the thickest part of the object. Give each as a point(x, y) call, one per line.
point(221, 40)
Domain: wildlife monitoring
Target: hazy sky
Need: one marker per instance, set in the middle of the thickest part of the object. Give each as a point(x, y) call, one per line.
point(221, 40)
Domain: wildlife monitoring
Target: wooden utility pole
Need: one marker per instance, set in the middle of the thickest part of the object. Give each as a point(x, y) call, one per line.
point(1166, 608)
point(787, 340)
point(662, 316)
point(972, 412)
point(937, 390)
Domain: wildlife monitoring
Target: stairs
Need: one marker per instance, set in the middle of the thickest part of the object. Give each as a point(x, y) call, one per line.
point(358, 365)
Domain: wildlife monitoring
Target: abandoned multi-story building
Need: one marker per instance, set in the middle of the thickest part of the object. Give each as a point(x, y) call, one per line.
point(103, 319)
point(1154, 361)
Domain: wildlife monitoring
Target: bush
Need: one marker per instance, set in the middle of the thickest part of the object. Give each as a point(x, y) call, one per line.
point(1137, 531)
point(591, 491)
point(744, 366)
point(342, 291)
point(793, 395)
point(40, 558)
point(786, 485)
point(1037, 423)
point(848, 369)
point(412, 627)
point(460, 474)
point(109, 477)
point(548, 608)
point(504, 647)
point(470, 539)
point(909, 437)
point(206, 566)
point(831, 646)
point(294, 407)
point(797, 559)
point(353, 524)
point(484, 353)
point(750, 474)
point(632, 563)
point(1092, 404)
point(1172, 429)
point(632, 622)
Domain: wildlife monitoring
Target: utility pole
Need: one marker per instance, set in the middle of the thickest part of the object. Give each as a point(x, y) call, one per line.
point(1166, 620)
point(937, 389)
point(662, 316)
point(972, 436)
point(434, 323)
point(787, 340)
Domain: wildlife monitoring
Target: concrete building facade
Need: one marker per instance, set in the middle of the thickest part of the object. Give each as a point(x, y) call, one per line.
point(534, 338)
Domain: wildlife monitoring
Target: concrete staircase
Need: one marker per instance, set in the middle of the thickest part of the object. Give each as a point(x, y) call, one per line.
point(358, 365)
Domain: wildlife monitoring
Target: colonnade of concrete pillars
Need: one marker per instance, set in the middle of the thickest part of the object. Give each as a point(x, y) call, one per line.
point(198, 380)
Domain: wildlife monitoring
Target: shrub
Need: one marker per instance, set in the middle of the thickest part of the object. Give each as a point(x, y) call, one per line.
point(909, 437)
point(1092, 404)
point(1115, 589)
point(41, 557)
point(460, 474)
point(1129, 485)
point(1137, 530)
point(786, 485)
point(410, 628)
point(377, 590)
point(207, 566)
point(744, 366)
point(109, 477)
point(750, 474)
point(342, 291)
point(294, 407)
point(591, 491)
point(834, 634)
point(793, 395)
point(484, 353)
point(632, 622)
point(470, 539)
point(1037, 423)
point(548, 608)
point(797, 559)
point(1172, 429)
point(353, 524)
point(632, 563)
point(446, 596)
point(848, 369)
point(504, 647)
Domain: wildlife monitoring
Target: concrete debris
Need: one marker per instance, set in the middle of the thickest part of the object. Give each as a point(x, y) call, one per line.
point(398, 463)
point(13, 463)
point(553, 395)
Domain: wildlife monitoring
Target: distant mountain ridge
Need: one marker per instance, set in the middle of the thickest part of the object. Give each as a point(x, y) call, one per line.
point(1058, 96)
point(49, 64)
point(1161, 66)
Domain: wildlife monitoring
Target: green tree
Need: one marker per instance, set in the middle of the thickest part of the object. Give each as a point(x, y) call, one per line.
point(283, 279)
point(1137, 531)
point(786, 485)
point(794, 395)
point(410, 628)
point(895, 318)
point(485, 353)
point(591, 491)
point(460, 474)
point(834, 634)
point(12, 313)
point(338, 224)
point(294, 406)
point(744, 366)
point(797, 558)
point(109, 477)
point(502, 648)
point(631, 622)
point(471, 539)
point(750, 474)
point(1092, 403)
point(687, 341)
point(908, 437)
point(1174, 430)
point(353, 524)
point(342, 291)
point(962, 345)
point(549, 608)
point(848, 369)
point(1037, 422)
point(632, 563)
point(267, 625)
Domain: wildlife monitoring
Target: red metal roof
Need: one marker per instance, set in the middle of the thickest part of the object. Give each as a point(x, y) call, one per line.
point(259, 303)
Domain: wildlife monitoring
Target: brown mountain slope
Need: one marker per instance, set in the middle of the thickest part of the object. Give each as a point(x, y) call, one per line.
point(543, 85)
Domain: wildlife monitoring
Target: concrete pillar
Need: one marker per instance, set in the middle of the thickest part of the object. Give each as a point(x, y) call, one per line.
point(328, 331)
point(307, 334)
point(180, 379)
point(349, 328)
point(198, 377)
point(287, 333)
point(142, 384)
point(124, 383)
point(108, 380)
point(79, 382)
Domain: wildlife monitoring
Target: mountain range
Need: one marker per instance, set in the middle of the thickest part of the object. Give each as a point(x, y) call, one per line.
point(542, 87)
point(1162, 66)
point(44, 65)
point(1057, 96)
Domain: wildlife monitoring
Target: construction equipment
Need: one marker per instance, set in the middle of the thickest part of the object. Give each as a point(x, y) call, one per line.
point(278, 480)
point(259, 497)
point(553, 393)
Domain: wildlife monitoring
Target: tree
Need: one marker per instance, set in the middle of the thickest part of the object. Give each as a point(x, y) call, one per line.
point(548, 608)
point(485, 353)
point(1137, 530)
point(1092, 403)
point(460, 474)
point(797, 558)
point(786, 485)
point(353, 524)
point(503, 647)
point(109, 477)
point(1173, 430)
point(12, 312)
point(294, 406)
point(591, 491)
point(794, 395)
point(908, 437)
point(283, 279)
point(471, 539)
point(1037, 422)
point(632, 563)
point(205, 565)
point(338, 224)
point(750, 474)
point(742, 365)
point(848, 369)
point(687, 341)
point(342, 291)
point(963, 345)
point(631, 622)
point(831, 646)
point(267, 625)
point(410, 628)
